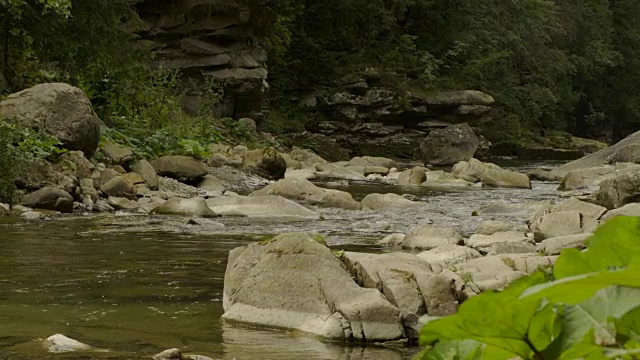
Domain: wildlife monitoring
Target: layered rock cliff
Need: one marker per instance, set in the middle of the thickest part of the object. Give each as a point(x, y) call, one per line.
point(212, 43)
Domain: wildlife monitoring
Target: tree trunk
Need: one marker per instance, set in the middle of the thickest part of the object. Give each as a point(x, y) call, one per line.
point(4, 54)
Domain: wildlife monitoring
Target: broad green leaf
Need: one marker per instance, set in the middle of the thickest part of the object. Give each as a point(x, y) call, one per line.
point(458, 350)
point(575, 289)
point(495, 319)
point(594, 315)
point(614, 245)
point(545, 327)
point(629, 326)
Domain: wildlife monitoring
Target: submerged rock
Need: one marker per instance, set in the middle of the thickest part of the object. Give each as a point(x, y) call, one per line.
point(294, 282)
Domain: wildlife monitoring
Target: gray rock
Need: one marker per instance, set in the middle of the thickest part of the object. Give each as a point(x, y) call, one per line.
point(119, 203)
point(513, 247)
point(483, 242)
point(599, 158)
point(627, 210)
point(449, 254)
point(59, 343)
point(304, 191)
point(169, 354)
point(553, 246)
point(118, 186)
point(543, 175)
point(329, 172)
point(524, 209)
point(373, 161)
point(302, 158)
point(32, 215)
point(260, 207)
point(115, 154)
point(107, 175)
point(386, 201)
point(412, 177)
point(586, 178)
point(58, 109)
point(5, 209)
point(103, 206)
point(49, 198)
point(212, 184)
point(266, 162)
point(294, 282)
point(179, 167)
point(449, 146)
point(196, 207)
point(557, 224)
point(490, 227)
point(620, 190)
point(307, 173)
point(148, 173)
point(429, 237)
point(488, 273)
point(392, 240)
point(408, 282)
point(458, 98)
point(528, 263)
point(490, 175)
point(150, 203)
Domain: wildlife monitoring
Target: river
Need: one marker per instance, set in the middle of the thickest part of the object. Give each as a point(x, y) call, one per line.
point(137, 285)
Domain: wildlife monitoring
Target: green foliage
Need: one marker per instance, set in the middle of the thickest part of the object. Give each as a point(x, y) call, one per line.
point(589, 311)
point(19, 147)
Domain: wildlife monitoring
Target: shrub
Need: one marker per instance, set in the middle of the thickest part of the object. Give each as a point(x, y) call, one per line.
point(588, 308)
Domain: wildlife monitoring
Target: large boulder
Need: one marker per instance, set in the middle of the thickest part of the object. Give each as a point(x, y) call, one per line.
point(180, 167)
point(602, 157)
point(386, 201)
point(294, 282)
point(260, 207)
point(620, 190)
point(59, 343)
point(449, 146)
point(592, 177)
point(490, 175)
point(118, 186)
point(632, 209)
point(195, 207)
point(58, 109)
point(266, 162)
point(304, 191)
point(302, 158)
point(408, 282)
point(49, 198)
point(429, 237)
point(490, 227)
point(557, 223)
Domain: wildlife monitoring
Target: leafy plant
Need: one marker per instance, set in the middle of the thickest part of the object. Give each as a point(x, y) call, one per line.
point(589, 311)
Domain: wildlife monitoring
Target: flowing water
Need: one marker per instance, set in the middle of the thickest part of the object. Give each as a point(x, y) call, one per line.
point(137, 285)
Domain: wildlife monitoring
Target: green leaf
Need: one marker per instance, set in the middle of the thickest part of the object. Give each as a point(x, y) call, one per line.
point(594, 315)
point(497, 319)
point(629, 326)
point(614, 245)
point(545, 327)
point(575, 289)
point(460, 350)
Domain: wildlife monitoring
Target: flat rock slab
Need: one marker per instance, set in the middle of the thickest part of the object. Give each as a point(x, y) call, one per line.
point(554, 246)
point(449, 254)
point(429, 237)
point(261, 207)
